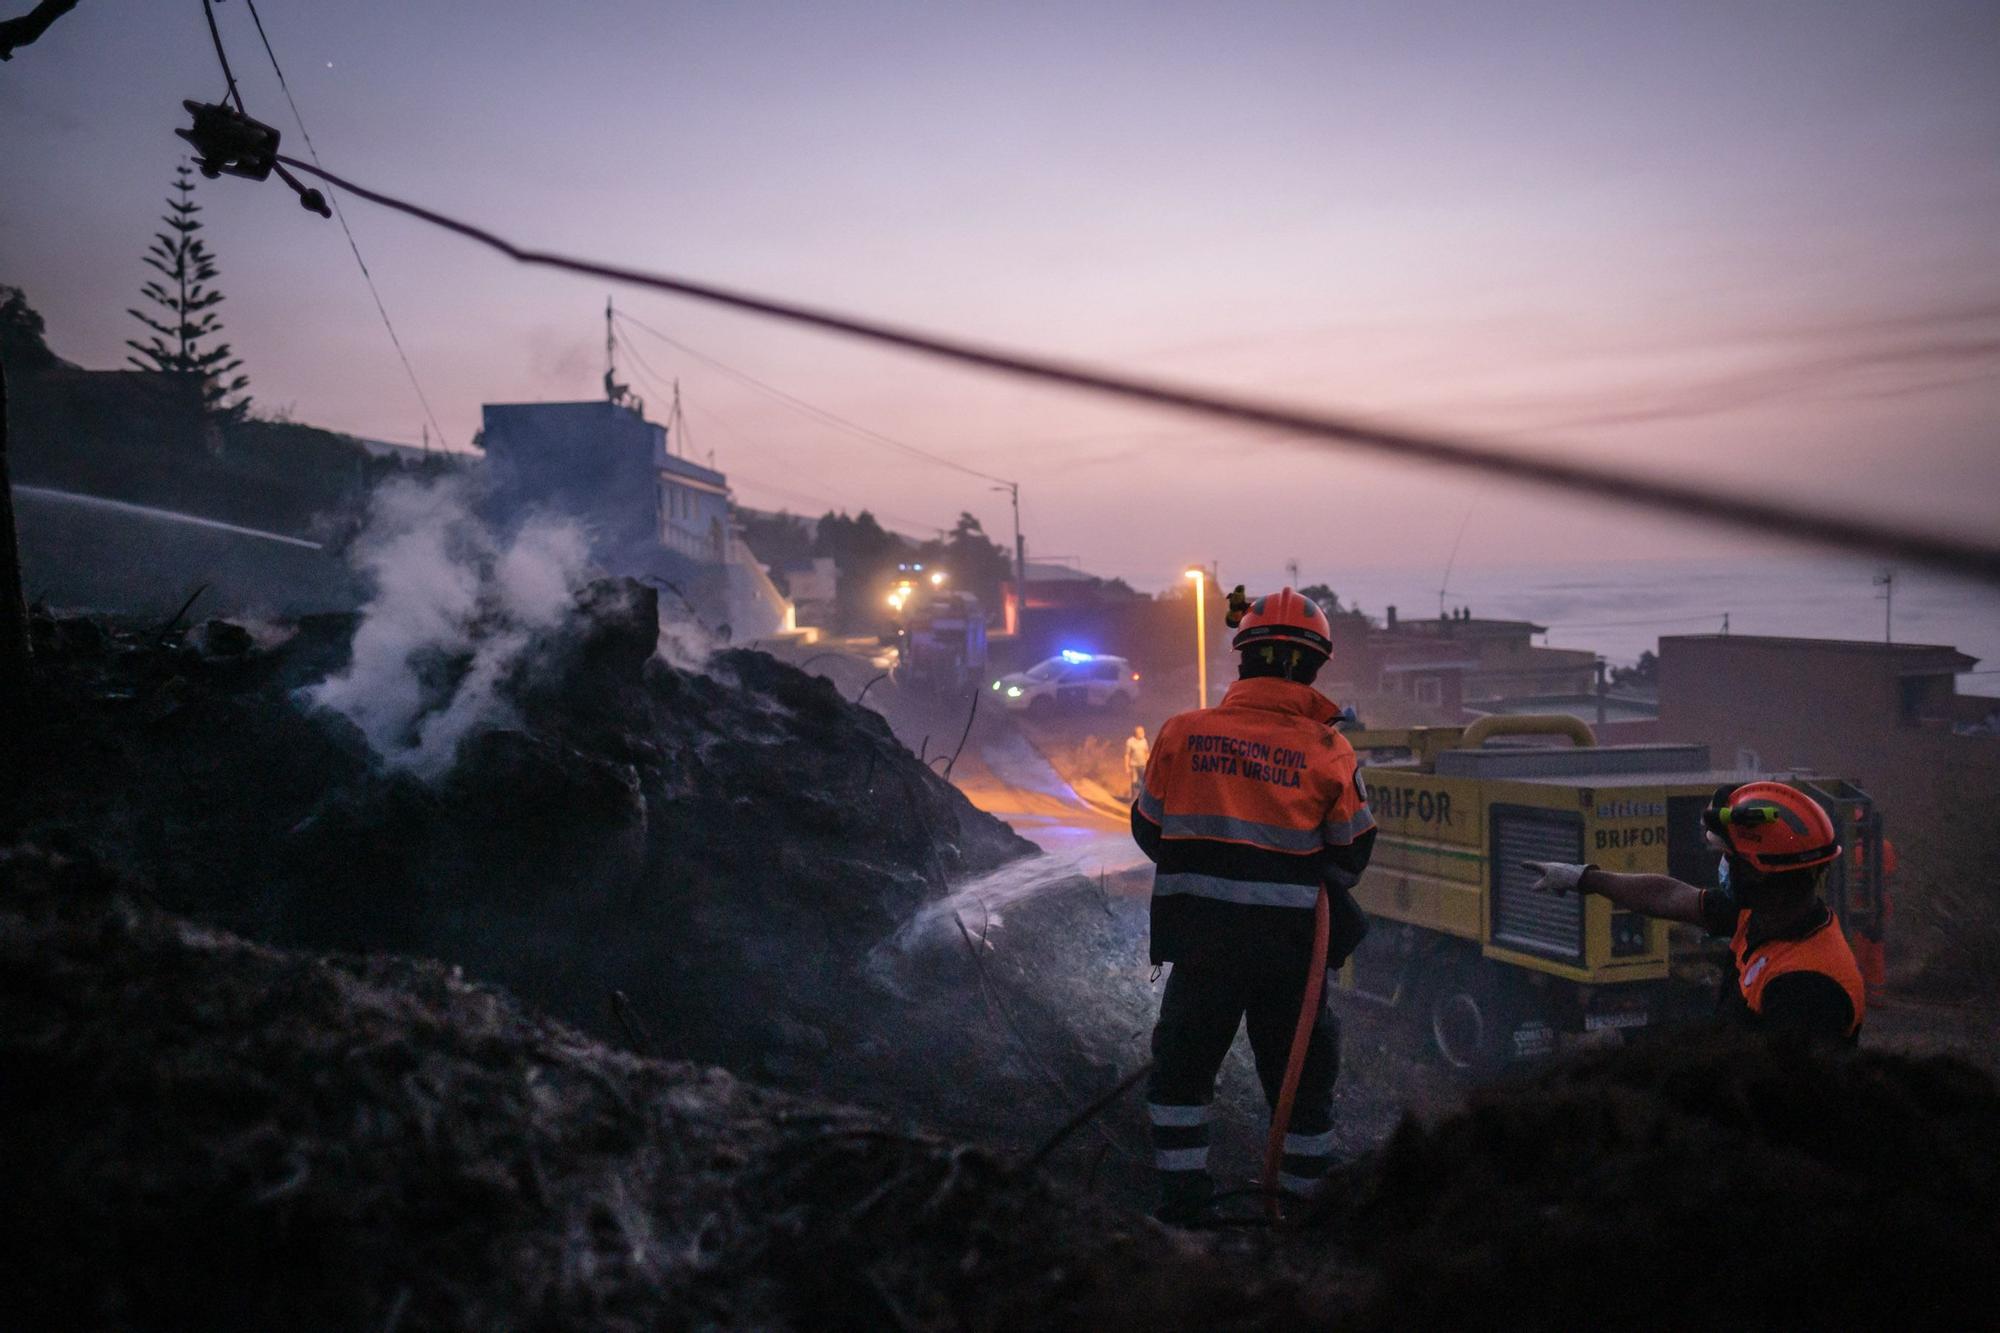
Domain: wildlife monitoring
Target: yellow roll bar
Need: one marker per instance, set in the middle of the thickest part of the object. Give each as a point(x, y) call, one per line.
point(1527, 724)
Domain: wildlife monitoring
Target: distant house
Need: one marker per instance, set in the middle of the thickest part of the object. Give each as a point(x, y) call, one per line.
point(815, 590)
point(1502, 663)
point(649, 512)
point(1887, 715)
point(1052, 584)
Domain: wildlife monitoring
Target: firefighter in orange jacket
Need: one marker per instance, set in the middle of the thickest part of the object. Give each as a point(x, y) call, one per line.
point(1247, 809)
point(1792, 969)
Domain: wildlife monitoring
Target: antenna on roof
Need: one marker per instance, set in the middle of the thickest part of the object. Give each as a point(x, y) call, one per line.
point(613, 390)
point(1444, 584)
point(1886, 581)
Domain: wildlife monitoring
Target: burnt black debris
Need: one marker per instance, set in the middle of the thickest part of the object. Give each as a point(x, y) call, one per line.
point(1716, 1175)
point(200, 1132)
point(724, 846)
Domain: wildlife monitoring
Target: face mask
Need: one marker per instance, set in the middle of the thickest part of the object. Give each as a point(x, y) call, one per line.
point(1751, 891)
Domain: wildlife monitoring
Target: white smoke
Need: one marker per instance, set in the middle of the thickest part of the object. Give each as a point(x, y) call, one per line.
point(453, 610)
point(684, 641)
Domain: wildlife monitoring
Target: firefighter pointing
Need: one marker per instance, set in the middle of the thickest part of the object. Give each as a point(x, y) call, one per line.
point(1792, 968)
point(1258, 824)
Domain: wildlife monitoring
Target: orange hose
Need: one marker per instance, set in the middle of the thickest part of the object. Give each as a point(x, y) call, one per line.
point(1295, 1063)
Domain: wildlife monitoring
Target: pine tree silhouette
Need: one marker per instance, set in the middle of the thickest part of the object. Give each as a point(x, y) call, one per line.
point(186, 304)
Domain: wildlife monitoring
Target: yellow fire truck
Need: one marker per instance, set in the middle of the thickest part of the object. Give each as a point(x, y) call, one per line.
point(1493, 971)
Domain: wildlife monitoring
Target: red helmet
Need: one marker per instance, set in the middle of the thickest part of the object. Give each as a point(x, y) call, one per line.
point(1285, 617)
point(1772, 826)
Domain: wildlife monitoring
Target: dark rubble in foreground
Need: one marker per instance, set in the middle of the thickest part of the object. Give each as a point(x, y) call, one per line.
point(200, 1132)
point(196, 1131)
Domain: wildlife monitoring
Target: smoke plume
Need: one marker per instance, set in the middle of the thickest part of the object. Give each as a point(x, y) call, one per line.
point(454, 611)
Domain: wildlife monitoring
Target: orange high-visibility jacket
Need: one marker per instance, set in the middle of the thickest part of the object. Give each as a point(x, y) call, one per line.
point(1247, 808)
point(1823, 950)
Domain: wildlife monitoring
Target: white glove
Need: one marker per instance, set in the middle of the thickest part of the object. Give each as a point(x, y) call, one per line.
point(1557, 876)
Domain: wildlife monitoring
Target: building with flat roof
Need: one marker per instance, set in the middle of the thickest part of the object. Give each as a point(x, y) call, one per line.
point(1502, 662)
point(649, 512)
point(1886, 715)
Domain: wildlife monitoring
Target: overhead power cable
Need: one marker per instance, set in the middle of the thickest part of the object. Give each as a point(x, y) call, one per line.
point(1959, 555)
point(818, 413)
point(333, 199)
point(662, 383)
point(654, 379)
point(222, 57)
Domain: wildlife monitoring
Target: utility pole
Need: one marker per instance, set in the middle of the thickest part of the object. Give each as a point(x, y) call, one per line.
point(1200, 578)
point(1886, 581)
point(1292, 569)
point(613, 390)
point(14, 667)
point(1013, 489)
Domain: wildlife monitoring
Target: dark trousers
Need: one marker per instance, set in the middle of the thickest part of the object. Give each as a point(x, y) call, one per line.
point(1204, 1005)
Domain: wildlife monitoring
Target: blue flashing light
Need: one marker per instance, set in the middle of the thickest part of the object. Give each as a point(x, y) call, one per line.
point(1072, 656)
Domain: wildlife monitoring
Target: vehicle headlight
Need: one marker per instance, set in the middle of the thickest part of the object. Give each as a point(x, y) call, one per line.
point(1013, 691)
point(996, 684)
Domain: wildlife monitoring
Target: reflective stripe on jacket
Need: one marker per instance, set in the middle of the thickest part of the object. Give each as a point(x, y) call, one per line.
point(1251, 804)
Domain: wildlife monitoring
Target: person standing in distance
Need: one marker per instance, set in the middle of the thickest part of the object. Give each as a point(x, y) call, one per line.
point(1137, 752)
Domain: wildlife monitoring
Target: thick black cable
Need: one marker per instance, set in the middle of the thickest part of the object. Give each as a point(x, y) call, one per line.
point(818, 413)
point(1958, 555)
point(215, 35)
point(340, 217)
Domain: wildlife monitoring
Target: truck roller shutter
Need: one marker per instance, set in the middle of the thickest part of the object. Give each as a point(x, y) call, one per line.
point(1548, 925)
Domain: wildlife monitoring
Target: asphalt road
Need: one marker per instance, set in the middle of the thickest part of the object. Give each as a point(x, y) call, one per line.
point(1005, 768)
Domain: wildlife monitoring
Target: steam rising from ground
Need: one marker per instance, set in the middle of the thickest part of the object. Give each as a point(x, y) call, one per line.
point(455, 610)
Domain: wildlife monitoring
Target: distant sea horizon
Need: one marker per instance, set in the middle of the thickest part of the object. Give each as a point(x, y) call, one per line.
point(1622, 608)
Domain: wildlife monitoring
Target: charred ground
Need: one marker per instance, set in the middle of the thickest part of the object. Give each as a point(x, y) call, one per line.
point(204, 1132)
point(723, 848)
point(201, 1130)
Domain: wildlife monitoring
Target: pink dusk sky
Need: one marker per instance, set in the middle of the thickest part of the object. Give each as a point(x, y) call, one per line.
point(1753, 242)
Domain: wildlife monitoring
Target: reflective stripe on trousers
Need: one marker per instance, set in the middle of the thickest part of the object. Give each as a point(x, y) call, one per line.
point(1306, 1162)
point(1180, 1137)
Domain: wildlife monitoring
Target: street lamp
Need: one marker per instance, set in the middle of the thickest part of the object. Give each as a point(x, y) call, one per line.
point(1200, 577)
